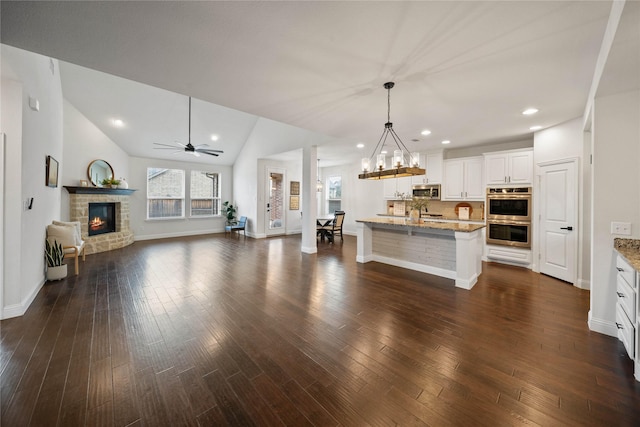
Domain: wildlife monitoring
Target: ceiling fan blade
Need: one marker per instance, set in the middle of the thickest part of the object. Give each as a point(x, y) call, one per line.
point(188, 147)
point(208, 150)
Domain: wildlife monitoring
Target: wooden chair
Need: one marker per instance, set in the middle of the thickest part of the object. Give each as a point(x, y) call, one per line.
point(335, 227)
point(240, 226)
point(68, 235)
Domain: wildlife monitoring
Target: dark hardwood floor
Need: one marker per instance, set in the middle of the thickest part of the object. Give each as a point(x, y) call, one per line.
point(215, 330)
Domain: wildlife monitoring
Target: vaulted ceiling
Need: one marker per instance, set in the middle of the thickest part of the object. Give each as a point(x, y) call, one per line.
point(464, 70)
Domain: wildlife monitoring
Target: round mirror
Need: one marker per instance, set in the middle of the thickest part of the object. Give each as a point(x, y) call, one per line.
point(99, 170)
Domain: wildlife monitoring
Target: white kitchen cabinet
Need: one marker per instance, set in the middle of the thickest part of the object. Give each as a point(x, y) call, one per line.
point(463, 179)
point(432, 162)
point(392, 186)
point(626, 302)
point(513, 167)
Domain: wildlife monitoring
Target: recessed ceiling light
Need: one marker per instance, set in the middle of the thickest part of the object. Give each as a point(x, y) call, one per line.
point(535, 128)
point(446, 141)
point(530, 111)
point(383, 152)
point(425, 132)
point(118, 123)
point(214, 137)
point(361, 145)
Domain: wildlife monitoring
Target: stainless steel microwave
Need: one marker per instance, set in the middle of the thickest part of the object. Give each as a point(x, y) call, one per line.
point(427, 191)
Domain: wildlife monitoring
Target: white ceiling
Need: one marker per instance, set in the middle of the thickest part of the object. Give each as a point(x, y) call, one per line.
point(464, 70)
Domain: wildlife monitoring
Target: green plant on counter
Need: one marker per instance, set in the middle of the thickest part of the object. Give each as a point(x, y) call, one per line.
point(419, 203)
point(53, 253)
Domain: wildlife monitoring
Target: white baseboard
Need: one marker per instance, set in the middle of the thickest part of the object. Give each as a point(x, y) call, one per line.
point(364, 259)
point(176, 234)
point(602, 326)
point(309, 249)
point(583, 284)
point(467, 284)
point(17, 310)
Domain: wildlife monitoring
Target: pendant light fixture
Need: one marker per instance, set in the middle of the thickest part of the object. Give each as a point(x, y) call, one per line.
point(403, 162)
point(318, 183)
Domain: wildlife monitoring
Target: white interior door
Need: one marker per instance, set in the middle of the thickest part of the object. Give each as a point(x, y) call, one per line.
point(559, 220)
point(275, 209)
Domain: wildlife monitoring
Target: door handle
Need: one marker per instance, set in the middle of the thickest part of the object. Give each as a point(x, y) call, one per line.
point(566, 228)
point(621, 295)
point(619, 326)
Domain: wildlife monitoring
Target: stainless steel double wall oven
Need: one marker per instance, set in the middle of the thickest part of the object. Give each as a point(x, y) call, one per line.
point(509, 216)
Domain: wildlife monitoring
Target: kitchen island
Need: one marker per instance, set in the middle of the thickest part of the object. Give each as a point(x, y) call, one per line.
point(447, 249)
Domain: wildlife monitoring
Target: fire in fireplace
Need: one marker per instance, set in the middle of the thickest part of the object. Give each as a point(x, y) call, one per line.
point(102, 218)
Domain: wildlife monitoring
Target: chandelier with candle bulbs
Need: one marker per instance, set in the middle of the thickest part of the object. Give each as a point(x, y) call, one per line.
point(403, 163)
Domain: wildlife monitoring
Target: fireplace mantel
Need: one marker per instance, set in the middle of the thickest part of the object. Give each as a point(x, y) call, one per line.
point(98, 190)
point(79, 211)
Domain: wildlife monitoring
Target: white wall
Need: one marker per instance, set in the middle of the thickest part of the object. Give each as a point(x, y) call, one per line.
point(267, 138)
point(144, 229)
point(615, 180)
point(361, 198)
point(565, 141)
point(24, 75)
point(478, 150)
point(84, 143)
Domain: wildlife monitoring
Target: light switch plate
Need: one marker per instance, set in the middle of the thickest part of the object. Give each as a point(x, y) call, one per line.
point(621, 228)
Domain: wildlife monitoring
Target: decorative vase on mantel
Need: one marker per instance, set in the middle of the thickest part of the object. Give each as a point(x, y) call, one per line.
point(123, 184)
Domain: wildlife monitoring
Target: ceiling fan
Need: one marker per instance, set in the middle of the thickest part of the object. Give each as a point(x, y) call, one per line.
point(189, 148)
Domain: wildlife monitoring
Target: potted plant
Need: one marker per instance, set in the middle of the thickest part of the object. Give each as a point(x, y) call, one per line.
point(56, 270)
point(417, 204)
point(229, 212)
point(110, 182)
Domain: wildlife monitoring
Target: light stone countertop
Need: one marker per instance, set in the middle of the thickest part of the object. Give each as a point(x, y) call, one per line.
point(402, 222)
point(436, 218)
point(630, 250)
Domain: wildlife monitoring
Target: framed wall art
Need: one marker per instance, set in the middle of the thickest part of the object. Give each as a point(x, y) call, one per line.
point(52, 172)
point(294, 203)
point(295, 188)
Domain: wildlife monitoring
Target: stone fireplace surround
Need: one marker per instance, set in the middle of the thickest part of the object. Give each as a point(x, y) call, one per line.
point(79, 199)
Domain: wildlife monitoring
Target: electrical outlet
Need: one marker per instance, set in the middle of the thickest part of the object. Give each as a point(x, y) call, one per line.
point(621, 228)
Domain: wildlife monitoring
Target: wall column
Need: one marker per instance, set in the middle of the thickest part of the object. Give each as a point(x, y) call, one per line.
point(309, 201)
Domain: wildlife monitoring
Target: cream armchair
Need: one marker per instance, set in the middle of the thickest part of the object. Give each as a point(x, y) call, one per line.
point(68, 235)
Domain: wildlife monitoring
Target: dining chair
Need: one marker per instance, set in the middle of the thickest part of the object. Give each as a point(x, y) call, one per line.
point(241, 225)
point(331, 230)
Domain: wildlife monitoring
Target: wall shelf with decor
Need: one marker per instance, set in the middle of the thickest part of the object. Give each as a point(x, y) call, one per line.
point(98, 190)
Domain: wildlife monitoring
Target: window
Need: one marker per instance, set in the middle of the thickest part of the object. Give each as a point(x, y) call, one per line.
point(165, 193)
point(205, 193)
point(334, 194)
